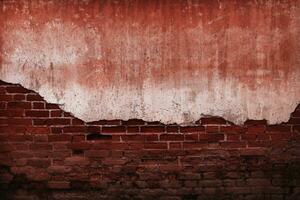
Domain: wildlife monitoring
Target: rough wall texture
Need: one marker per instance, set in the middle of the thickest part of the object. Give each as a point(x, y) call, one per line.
point(46, 153)
point(167, 61)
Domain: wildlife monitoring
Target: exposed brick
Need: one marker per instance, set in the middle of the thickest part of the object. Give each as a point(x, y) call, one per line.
point(171, 137)
point(59, 185)
point(38, 105)
point(6, 97)
point(18, 104)
point(133, 129)
point(278, 128)
point(40, 146)
point(16, 89)
point(114, 129)
point(133, 138)
point(34, 97)
point(172, 129)
point(256, 129)
point(250, 122)
point(37, 130)
point(19, 97)
point(55, 113)
point(191, 129)
point(233, 144)
point(74, 129)
point(212, 129)
point(39, 162)
point(37, 113)
point(51, 106)
point(155, 145)
point(213, 120)
point(59, 138)
point(153, 129)
point(96, 153)
point(131, 122)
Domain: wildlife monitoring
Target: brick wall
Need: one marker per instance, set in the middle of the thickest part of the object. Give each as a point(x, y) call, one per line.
point(45, 152)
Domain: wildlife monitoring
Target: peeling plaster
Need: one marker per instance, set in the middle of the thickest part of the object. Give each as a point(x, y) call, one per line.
point(156, 60)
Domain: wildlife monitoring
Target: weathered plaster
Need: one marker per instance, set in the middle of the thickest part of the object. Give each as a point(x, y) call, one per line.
point(156, 60)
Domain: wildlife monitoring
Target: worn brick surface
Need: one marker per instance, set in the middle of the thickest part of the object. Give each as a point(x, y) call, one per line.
point(47, 153)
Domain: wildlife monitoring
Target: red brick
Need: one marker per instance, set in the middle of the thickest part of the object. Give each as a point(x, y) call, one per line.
point(215, 137)
point(80, 145)
point(14, 112)
point(58, 184)
point(171, 137)
point(152, 137)
point(256, 129)
point(16, 89)
point(37, 130)
point(233, 137)
point(294, 120)
point(37, 113)
point(59, 138)
point(278, 128)
point(172, 129)
point(194, 145)
point(249, 137)
point(40, 138)
point(132, 138)
point(175, 145)
point(34, 97)
point(76, 160)
point(133, 129)
point(58, 121)
point(52, 106)
point(191, 137)
point(74, 129)
point(280, 136)
point(233, 129)
point(6, 97)
point(55, 113)
point(20, 121)
point(78, 138)
point(114, 129)
point(2, 106)
point(56, 130)
point(251, 122)
point(76, 121)
point(6, 148)
point(212, 129)
point(38, 105)
point(18, 104)
point(295, 114)
point(192, 129)
point(39, 162)
point(19, 97)
point(2, 89)
point(93, 129)
point(133, 122)
point(11, 129)
point(40, 146)
point(153, 129)
point(155, 145)
point(20, 138)
point(106, 122)
point(213, 120)
point(96, 153)
point(253, 152)
point(233, 144)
